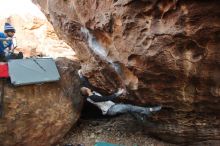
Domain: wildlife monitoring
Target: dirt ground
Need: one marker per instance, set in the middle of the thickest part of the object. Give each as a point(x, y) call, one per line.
point(123, 130)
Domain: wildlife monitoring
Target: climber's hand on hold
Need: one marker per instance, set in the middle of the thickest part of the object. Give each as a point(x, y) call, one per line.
point(125, 92)
point(80, 73)
point(120, 92)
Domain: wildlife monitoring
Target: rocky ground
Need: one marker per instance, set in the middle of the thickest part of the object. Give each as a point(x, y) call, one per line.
point(124, 130)
point(115, 130)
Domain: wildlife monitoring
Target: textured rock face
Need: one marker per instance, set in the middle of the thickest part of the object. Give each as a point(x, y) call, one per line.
point(165, 52)
point(39, 115)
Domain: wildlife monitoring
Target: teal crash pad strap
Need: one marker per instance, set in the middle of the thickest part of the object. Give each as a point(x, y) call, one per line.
point(106, 144)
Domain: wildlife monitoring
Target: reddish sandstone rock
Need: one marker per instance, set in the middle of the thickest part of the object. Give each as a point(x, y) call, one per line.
point(167, 52)
point(40, 115)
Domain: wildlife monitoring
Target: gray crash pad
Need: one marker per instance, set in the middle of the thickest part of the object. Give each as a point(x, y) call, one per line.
point(32, 71)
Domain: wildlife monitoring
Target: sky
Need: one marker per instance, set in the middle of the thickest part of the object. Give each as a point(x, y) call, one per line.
point(19, 7)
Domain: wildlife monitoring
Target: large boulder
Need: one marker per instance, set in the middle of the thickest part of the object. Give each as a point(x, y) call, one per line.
point(164, 51)
point(40, 115)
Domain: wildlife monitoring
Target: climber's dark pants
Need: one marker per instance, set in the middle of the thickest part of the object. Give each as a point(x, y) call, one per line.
point(2, 57)
point(14, 56)
point(127, 108)
point(5, 57)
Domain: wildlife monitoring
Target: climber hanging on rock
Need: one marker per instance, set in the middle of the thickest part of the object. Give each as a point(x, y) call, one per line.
point(6, 44)
point(106, 104)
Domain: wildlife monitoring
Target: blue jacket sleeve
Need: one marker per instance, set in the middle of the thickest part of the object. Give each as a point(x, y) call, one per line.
point(10, 43)
point(2, 35)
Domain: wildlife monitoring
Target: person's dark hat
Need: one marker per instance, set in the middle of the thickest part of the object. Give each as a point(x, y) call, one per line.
point(9, 28)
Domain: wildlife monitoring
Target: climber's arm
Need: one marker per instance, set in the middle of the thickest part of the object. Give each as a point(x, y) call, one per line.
point(84, 80)
point(98, 98)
